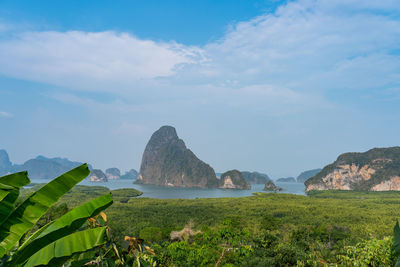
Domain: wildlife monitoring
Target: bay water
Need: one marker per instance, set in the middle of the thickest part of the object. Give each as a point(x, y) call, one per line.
point(153, 191)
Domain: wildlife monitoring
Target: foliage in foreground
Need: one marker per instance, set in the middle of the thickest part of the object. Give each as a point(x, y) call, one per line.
point(331, 228)
point(324, 229)
point(22, 243)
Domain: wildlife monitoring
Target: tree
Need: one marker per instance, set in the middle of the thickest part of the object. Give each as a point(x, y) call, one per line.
point(57, 241)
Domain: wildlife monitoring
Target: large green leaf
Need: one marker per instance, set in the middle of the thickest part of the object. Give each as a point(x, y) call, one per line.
point(58, 252)
point(396, 238)
point(16, 180)
point(11, 183)
point(24, 217)
point(65, 225)
point(3, 194)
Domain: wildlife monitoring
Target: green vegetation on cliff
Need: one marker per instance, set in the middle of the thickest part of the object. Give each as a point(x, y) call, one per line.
point(167, 162)
point(384, 161)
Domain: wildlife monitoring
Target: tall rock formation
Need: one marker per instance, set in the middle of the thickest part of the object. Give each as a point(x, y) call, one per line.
point(167, 162)
point(233, 180)
point(377, 169)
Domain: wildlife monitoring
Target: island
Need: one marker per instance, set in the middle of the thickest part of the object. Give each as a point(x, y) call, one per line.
point(377, 169)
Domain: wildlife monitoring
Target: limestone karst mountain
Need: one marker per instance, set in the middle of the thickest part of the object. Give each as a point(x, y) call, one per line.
point(167, 162)
point(377, 169)
point(233, 179)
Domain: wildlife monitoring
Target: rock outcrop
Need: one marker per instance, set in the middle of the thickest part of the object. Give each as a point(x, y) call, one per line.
point(270, 186)
point(113, 173)
point(304, 176)
point(5, 163)
point(255, 177)
point(97, 176)
point(167, 162)
point(233, 180)
point(131, 174)
point(377, 170)
point(286, 180)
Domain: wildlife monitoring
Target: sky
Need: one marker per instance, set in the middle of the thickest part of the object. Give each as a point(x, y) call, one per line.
point(272, 86)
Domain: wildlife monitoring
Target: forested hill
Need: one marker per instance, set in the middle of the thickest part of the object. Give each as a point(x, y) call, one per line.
point(377, 169)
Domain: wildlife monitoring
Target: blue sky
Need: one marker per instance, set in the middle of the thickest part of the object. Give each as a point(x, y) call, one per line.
point(271, 86)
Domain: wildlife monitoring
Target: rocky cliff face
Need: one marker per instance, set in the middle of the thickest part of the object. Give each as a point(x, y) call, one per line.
point(97, 176)
point(233, 180)
point(167, 162)
point(270, 186)
point(255, 177)
point(377, 170)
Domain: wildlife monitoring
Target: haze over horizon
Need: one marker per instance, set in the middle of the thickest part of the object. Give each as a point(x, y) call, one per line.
point(272, 86)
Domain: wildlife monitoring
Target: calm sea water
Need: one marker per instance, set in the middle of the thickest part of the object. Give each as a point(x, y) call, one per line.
point(174, 192)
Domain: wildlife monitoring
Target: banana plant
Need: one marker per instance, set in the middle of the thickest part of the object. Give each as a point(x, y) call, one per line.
point(56, 242)
point(396, 243)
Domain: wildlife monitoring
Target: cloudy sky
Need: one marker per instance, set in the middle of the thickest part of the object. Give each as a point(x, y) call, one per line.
point(271, 86)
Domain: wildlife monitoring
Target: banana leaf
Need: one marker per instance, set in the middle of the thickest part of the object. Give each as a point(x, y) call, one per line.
point(3, 194)
point(65, 225)
point(58, 252)
point(16, 180)
point(24, 217)
point(13, 182)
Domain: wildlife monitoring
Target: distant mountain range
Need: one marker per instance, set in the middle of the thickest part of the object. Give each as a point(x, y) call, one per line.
point(48, 168)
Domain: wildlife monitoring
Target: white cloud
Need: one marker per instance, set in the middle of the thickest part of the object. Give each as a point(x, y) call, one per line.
point(307, 42)
point(90, 61)
point(6, 114)
point(305, 48)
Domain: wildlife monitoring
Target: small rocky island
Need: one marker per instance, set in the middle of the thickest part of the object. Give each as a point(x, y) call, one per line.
point(233, 180)
point(377, 169)
point(97, 175)
point(270, 186)
point(132, 174)
point(167, 162)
